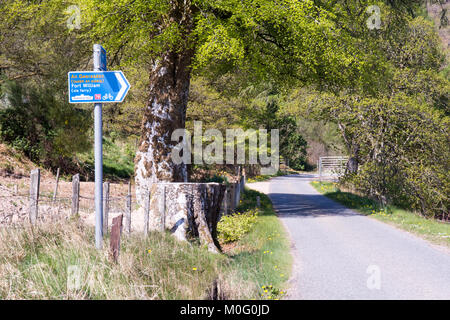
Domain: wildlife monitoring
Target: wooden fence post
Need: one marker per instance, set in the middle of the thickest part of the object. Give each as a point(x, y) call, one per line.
point(105, 207)
point(320, 169)
point(237, 194)
point(146, 211)
point(225, 201)
point(232, 197)
point(162, 208)
point(75, 194)
point(35, 179)
point(116, 231)
point(242, 184)
point(56, 185)
point(128, 210)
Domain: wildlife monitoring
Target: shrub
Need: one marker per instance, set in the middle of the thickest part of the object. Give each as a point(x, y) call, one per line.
point(217, 178)
point(233, 227)
point(46, 129)
point(403, 154)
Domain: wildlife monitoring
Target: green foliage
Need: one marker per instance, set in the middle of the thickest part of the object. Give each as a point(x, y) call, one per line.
point(216, 109)
point(248, 201)
point(118, 157)
point(254, 51)
point(404, 154)
point(37, 45)
point(260, 178)
point(211, 106)
point(292, 143)
point(323, 187)
point(217, 178)
point(279, 42)
point(46, 130)
point(397, 131)
point(322, 135)
point(263, 111)
point(269, 292)
point(232, 227)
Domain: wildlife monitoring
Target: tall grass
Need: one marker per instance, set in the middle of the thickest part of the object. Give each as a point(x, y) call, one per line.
point(38, 263)
point(34, 264)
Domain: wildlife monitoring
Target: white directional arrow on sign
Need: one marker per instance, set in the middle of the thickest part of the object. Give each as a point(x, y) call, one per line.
point(124, 86)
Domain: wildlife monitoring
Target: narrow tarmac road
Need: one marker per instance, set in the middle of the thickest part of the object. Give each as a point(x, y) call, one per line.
point(340, 254)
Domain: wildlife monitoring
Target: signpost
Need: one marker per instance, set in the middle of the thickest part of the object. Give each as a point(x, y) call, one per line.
point(98, 86)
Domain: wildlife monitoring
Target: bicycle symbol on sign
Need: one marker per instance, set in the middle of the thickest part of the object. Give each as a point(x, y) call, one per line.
point(108, 96)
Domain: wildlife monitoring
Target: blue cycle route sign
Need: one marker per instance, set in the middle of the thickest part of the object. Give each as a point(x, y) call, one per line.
point(97, 86)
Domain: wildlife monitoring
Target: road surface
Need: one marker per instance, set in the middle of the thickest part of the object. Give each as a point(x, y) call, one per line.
point(340, 254)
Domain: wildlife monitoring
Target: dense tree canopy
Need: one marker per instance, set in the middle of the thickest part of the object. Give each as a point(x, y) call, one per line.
point(376, 78)
point(397, 132)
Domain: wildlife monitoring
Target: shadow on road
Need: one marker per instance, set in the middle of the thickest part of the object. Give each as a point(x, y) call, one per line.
point(307, 206)
point(306, 177)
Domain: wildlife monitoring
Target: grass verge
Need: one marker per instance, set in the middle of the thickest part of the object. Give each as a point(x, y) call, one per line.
point(262, 256)
point(432, 230)
point(59, 261)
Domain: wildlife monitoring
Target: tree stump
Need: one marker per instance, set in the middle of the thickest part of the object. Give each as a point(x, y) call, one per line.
point(190, 210)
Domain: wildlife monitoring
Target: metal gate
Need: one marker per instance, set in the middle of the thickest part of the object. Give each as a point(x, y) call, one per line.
point(332, 166)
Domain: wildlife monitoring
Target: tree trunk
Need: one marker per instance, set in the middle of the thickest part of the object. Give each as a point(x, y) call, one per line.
point(352, 165)
point(165, 112)
point(353, 150)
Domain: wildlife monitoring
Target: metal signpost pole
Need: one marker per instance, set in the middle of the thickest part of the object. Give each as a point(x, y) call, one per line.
point(98, 154)
point(98, 86)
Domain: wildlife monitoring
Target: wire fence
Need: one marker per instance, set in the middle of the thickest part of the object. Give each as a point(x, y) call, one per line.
point(15, 206)
point(18, 208)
